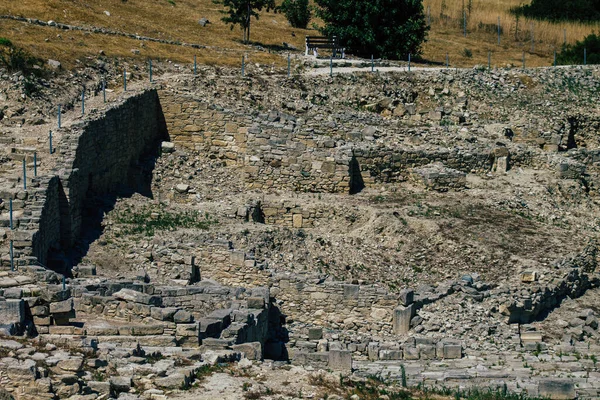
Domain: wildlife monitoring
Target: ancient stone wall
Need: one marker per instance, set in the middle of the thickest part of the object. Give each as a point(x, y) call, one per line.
point(103, 155)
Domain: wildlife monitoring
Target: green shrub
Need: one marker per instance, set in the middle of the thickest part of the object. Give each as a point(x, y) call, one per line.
point(573, 54)
point(297, 12)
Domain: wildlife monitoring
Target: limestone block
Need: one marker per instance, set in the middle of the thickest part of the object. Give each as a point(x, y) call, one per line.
point(12, 293)
point(186, 330)
point(407, 297)
point(61, 307)
point(72, 364)
point(209, 327)
point(315, 333)
point(351, 292)
point(237, 258)
point(163, 313)
point(340, 360)
point(529, 276)
point(502, 164)
point(297, 221)
point(120, 384)
point(252, 351)
point(390, 354)
point(411, 352)
point(256, 303)
point(12, 311)
point(23, 371)
point(452, 351)
point(137, 297)
point(531, 337)
point(401, 319)
point(174, 381)
point(557, 389)
point(182, 316)
point(373, 351)
point(426, 351)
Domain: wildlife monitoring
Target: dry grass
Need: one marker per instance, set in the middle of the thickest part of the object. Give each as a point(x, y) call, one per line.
point(161, 19)
point(482, 24)
point(153, 18)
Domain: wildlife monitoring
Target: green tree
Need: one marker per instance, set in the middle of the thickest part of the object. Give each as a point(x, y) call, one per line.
point(297, 12)
point(384, 28)
point(559, 10)
point(240, 12)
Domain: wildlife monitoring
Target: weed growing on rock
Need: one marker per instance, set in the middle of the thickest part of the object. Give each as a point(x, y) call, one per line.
point(148, 220)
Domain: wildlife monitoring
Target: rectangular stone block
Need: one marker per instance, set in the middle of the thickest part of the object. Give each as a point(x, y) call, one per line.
point(452, 351)
point(351, 292)
point(390, 354)
point(411, 353)
point(557, 389)
point(426, 351)
point(12, 311)
point(340, 360)
point(61, 307)
point(256, 303)
point(252, 351)
point(297, 221)
point(401, 319)
point(315, 333)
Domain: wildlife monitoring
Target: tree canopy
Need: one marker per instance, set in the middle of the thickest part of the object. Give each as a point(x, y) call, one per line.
point(562, 10)
point(384, 28)
point(240, 12)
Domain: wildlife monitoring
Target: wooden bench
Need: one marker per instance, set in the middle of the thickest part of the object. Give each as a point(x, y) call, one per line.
point(324, 42)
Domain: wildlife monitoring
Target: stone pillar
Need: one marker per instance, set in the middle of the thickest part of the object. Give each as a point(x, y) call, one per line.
point(401, 319)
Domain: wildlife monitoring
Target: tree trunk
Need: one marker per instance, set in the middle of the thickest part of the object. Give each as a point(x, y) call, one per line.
point(248, 22)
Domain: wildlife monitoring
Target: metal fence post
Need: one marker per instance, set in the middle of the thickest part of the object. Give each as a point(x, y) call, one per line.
point(50, 141)
point(243, 65)
point(12, 262)
point(150, 61)
point(584, 56)
point(35, 163)
point(447, 59)
point(59, 116)
point(289, 71)
point(124, 80)
point(532, 39)
point(555, 58)
point(489, 60)
point(498, 31)
point(24, 175)
point(331, 66)
point(372, 64)
point(104, 90)
point(10, 213)
point(408, 62)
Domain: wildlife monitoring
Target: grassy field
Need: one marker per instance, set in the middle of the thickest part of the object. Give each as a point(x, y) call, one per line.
point(482, 16)
point(177, 20)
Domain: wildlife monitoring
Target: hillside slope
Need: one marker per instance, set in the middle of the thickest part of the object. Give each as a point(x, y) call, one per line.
point(177, 20)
